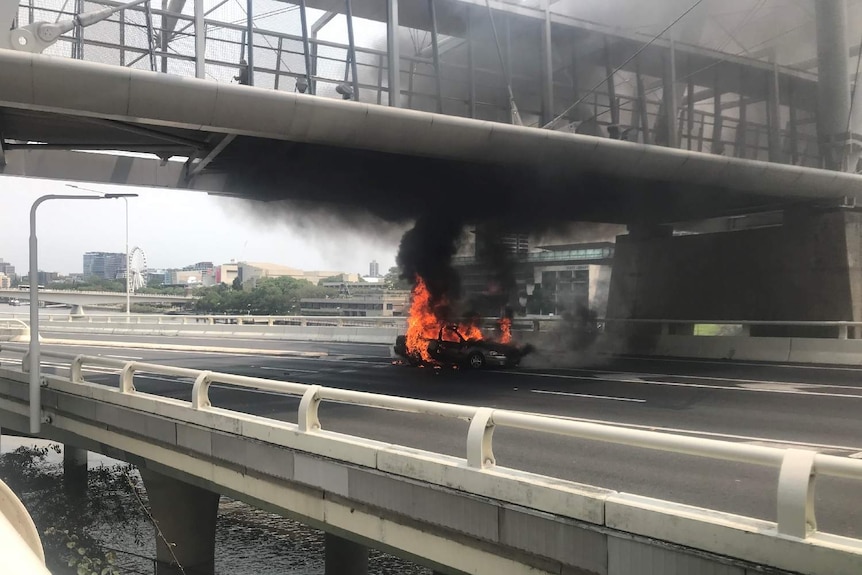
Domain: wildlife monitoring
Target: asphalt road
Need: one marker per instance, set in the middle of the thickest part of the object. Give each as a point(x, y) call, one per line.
point(814, 407)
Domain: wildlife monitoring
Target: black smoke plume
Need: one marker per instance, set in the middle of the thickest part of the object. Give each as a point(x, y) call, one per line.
point(426, 250)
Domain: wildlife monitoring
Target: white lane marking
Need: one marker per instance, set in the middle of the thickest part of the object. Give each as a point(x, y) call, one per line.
point(738, 362)
point(716, 378)
point(122, 356)
point(696, 385)
point(588, 395)
point(706, 433)
point(287, 369)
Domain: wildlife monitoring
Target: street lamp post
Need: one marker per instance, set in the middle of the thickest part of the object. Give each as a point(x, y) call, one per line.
point(125, 198)
point(35, 370)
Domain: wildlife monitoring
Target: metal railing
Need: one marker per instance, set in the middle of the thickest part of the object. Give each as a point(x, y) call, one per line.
point(797, 468)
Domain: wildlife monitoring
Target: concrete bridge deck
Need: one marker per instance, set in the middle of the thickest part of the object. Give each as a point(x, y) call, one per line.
point(436, 508)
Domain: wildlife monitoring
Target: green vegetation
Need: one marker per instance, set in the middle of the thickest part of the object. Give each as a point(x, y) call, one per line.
point(271, 296)
point(70, 526)
point(394, 280)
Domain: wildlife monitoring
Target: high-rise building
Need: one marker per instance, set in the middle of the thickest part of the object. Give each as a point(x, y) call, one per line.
point(374, 269)
point(7, 268)
point(104, 265)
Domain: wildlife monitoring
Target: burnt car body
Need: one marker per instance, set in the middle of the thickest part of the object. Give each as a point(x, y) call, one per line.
point(467, 353)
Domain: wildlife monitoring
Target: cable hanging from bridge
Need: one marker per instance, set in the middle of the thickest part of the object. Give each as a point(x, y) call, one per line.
point(552, 123)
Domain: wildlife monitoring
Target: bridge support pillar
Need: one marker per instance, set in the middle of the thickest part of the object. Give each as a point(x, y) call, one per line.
point(808, 269)
point(345, 557)
point(186, 516)
point(74, 472)
point(77, 310)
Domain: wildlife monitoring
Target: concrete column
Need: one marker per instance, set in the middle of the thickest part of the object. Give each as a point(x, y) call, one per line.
point(74, 472)
point(186, 516)
point(345, 557)
point(833, 85)
point(77, 311)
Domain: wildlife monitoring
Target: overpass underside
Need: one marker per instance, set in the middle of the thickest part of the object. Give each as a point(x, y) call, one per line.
point(674, 135)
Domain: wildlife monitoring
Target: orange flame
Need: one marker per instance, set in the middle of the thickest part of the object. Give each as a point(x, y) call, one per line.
point(505, 330)
point(425, 322)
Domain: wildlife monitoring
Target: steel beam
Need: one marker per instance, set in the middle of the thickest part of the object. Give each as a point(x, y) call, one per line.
point(689, 114)
point(249, 23)
point(612, 92)
point(774, 117)
point(833, 86)
point(351, 47)
point(742, 126)
point(717, 146)
point(393, 52)
point(436, 55)
point(306, 49)
point(200, 40)
point(642, 103)
point(547, 67)
point(669, 97)
point(471, 65)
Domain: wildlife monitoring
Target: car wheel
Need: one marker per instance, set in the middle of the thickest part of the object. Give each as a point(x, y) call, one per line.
point(476, 360)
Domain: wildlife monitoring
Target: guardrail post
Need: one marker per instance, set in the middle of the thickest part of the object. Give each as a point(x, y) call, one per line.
point(127, 378)
point(270, 321)
point(25, 363)
point(842, 331)
point(746, 329)
point(201, 390)
point(796, 494)
point(480, 448)
point(211, 320)
point(308, 420)
point(76, 369)
point(665, 328)
point(303, 323)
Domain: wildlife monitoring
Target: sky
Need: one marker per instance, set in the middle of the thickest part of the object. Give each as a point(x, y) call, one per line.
point(176, 228)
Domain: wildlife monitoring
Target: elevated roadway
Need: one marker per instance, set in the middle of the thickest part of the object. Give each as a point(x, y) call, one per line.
point(82, 298)
point(294, 145)
point(781, 405)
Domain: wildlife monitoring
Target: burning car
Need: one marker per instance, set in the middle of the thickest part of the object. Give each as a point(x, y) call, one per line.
point(450, 348)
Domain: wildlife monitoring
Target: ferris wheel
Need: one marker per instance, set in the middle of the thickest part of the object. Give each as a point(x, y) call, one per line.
point(137, 269)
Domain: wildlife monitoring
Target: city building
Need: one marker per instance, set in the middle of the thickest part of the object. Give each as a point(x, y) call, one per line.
point(183, 278)
point(5, 281)
point(374, 269)
point(156, 278)
point(7, 269)
point(384, 304)
point(104, 265)
point(250, 272)
point(226, 273)
point(550, 280)
point(46, 278)
point(358, 299)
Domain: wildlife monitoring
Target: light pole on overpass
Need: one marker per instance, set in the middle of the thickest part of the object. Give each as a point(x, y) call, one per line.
point(128, 255)
point(35, 371)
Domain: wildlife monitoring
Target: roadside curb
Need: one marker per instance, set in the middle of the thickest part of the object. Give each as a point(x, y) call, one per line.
point(180, 347)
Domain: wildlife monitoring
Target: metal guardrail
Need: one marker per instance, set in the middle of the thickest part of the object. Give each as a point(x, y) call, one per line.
point(798, 468)
point(529, 324)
